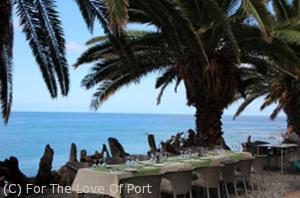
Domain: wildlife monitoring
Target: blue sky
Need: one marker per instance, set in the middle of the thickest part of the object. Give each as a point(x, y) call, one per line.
point(30, 93)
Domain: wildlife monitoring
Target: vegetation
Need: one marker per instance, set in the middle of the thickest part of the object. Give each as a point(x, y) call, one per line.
point(282, 88)
point(41, 24)
point(212, 46)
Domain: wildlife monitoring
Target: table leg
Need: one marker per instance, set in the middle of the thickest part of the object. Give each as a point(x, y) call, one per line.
point(281, 160)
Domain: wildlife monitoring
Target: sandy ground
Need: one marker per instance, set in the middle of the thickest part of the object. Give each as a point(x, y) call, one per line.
point(275, 185)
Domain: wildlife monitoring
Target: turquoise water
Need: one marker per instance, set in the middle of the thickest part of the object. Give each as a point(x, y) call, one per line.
point(27, 133)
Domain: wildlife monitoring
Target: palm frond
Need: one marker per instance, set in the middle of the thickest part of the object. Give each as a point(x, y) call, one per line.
point(280, 9)
point(92, 10)
point(109, 86)
point(97, 39)
point(159, 14)
point(117, 11)
point(106, 48)
point(258, 9)
point(6, 53)
point(111, 68)
point(290, 36)
point(230, 6)
point(178, 81)
point(220, 16)
point(94, 53)
point(269, 99)
point(164, 78)
point(163, 81)
point(51, 24)
point(38, 41)
point(100, 71)
point(128, 33)
point(106, 89)
point(288, 31)
point(276, 111)
point(246, 102)
point(162, 90)
point(296, 6)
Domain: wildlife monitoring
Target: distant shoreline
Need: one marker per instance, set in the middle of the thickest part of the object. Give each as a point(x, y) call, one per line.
point(129, 113)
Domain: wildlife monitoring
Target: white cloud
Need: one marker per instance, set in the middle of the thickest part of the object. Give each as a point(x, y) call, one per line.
point(74, 47)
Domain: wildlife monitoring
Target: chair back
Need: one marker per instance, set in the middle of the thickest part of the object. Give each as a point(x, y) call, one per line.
point(259, 163)
point(211, 175)
point(181, 181)
point(228, 171)
point(245, 167)
point(152, 192)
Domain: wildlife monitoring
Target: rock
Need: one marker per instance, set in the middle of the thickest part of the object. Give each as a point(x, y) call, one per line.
point(73, 153)
point(44, 175)
point(116, 148)
point(152, 144)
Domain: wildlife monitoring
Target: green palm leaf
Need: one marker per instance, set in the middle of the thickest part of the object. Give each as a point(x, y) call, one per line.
point(288, 31)
point(6, 45)
point(117, 11)
point(258, 9)
point(163, 81)
point(296, 6)
point(280, 8)
point(91, 10)
point(246, 103)
point(51, 24)
point(220, 16)
point(38, 41)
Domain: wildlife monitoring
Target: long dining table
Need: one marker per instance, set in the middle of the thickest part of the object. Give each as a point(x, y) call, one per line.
point(105, 180)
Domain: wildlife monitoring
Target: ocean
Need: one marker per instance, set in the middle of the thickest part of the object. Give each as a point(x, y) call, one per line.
point(28, 132)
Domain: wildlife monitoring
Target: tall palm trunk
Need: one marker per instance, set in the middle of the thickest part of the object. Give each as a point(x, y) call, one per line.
point(293, 116)
point(208, 122)
point(210, 94)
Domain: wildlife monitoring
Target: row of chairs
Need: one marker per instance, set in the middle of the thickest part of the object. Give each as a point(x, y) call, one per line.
point(207, 178)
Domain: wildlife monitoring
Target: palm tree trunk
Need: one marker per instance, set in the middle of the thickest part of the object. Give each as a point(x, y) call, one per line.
point(208, 123)
point(293, 117)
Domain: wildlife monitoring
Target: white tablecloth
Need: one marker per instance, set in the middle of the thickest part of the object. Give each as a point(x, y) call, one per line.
point(89, 180)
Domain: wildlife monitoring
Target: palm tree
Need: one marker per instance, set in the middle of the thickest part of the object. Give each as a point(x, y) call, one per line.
point(208, 45)
point(282, 88)
point(41, 24)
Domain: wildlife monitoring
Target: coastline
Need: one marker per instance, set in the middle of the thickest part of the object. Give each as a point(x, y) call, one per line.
point(29, 132)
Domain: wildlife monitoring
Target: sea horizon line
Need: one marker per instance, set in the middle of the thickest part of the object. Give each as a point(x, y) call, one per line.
point(138, 113)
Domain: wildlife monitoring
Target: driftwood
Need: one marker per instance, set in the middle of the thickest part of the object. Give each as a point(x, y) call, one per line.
point(192, 139)
point(73, 153)
point(116, 149)
point(168, 148)
point(178, 142)
point(9, 170)
point(44, 175)
point(84, 157)
point(97, 157)
point(251, 147)
point(152, 144)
